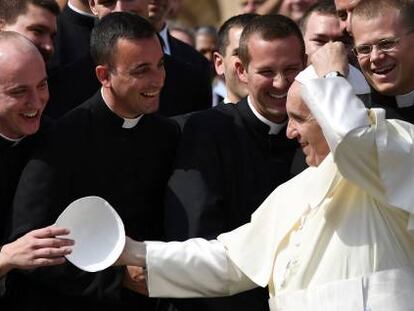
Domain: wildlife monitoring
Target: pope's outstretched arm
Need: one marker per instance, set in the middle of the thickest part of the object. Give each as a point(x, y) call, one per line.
point(194, 268)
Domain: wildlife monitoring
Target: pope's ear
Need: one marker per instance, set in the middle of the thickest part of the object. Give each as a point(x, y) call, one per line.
point(103, 74)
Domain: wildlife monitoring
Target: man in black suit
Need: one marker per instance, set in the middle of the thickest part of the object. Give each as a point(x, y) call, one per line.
point(74, 26)
point(185, 90)
point(227, 56)
point(23, 96)
point(182, 52)
point(112, 146)
point(157, 14)
point(231, 157)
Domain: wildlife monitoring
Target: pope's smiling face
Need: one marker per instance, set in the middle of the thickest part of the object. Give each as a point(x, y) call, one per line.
point(304, 128)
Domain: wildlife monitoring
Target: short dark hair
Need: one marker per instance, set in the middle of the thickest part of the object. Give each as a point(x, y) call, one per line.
point(115, 26)
point(268, 27)
point(238, 21)
point(10, 10)
point(323, 7)
point(370, 9)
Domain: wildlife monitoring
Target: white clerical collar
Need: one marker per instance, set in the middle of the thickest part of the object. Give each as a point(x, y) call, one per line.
point(128, 123)
point(406, 100)
point(164, 36)
point(15, 141)
point(274, 127)
point(226, 100)
point(73, 8)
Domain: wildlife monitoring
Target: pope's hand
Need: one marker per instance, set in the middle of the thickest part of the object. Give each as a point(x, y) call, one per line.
point(331, 57)
point(134, 279)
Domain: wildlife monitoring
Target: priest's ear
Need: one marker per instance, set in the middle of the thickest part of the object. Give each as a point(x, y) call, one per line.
point(103, 73)
point(92, 6)
point(218, 63)
point(241, 71)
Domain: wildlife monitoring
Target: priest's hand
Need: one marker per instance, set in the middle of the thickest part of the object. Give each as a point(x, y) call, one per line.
point(37, 248)
point(135, 280)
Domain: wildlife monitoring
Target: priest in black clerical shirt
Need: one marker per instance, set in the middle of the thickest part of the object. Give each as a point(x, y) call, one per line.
point(231, 157)
point(113, 146)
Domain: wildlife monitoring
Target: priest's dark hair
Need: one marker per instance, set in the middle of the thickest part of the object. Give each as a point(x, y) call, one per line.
point(238, 21)
point(268, 28)
point(322, 7)
point(10, 10)
point(115, 26)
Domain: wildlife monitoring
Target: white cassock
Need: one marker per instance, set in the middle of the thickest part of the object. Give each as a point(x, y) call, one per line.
point(335, 237)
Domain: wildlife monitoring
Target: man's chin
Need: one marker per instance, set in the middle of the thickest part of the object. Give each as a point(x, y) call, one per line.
point(389, 89)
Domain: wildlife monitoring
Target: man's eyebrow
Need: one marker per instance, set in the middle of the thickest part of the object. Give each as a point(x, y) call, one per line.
point(38, 25)
point(43, 80)
point(139, 66)
point(321, 36)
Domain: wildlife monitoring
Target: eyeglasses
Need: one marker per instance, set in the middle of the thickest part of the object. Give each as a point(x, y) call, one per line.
point(384, 45)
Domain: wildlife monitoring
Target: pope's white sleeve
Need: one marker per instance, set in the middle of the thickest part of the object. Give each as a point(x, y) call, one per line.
point(194, 268)
point(375, 153)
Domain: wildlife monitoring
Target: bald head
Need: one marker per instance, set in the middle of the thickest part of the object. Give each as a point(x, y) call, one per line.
point(23, 86)
point(13, 44)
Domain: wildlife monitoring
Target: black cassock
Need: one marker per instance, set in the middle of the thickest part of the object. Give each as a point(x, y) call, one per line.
point(89, 153)
point(13, 158)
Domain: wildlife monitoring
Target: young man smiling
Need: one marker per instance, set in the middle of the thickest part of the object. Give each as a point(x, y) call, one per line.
point(34, 19)
point(113, 146)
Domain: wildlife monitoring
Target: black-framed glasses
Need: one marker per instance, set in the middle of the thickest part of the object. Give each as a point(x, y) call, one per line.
point(384, 45)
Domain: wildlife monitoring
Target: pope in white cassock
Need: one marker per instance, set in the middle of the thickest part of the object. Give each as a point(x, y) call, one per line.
point(336, 237)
